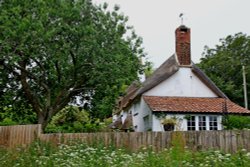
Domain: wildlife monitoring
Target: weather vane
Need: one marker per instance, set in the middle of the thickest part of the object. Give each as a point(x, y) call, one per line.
point(181, 16)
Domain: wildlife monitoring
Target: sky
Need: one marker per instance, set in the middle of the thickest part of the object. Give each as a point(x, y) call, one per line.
point(209, 20)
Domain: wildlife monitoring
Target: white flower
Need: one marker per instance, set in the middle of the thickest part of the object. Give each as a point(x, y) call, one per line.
point(216, 152)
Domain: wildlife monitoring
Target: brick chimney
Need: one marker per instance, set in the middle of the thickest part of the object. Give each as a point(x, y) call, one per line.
point(183, 46)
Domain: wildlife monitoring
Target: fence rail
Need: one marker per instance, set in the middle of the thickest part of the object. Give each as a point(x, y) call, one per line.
point(227, 141)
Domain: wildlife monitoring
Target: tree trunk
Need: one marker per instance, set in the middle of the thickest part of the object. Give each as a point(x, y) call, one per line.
point(42, 120)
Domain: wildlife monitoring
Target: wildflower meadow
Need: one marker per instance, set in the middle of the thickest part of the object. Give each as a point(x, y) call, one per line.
point(80, 155)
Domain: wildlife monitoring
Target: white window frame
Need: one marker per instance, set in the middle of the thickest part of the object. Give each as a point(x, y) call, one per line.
point(208, 123)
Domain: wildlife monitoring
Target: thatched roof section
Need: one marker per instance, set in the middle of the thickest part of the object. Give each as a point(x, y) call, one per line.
point(130, 94)
point(166, 70)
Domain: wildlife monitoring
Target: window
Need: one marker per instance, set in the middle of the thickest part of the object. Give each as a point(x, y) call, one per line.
point(191, 123)
point(135, 127)
point(135, 114)
point(213, 123)
point(202, 123)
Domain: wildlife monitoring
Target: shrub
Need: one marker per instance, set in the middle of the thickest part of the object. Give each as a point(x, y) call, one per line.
point(73, 119)
point(16, 115)
point(236, 122)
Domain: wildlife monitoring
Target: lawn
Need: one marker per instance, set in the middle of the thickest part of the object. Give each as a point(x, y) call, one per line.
point(81, 155)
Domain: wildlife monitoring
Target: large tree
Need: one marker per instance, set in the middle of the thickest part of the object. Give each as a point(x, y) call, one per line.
point(56, 50)
point(223, 64)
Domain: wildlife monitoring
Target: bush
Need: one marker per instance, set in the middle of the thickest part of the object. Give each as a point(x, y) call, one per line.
point(16, 115)
point(7, 121)
point(73, 119)
point(236, 122)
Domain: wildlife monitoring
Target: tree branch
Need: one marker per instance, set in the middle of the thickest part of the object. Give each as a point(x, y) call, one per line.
point(42, 68)
point(58, 72)
point(30, 75)
point(30, 96)
point(74, 63)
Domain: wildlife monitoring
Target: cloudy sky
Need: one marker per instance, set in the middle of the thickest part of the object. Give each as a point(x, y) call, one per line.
point(156, 20)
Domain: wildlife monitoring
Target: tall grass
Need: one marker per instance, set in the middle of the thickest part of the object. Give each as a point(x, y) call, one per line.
point(80, 155)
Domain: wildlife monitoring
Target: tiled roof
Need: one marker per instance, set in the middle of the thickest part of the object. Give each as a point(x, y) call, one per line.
point(193, 104)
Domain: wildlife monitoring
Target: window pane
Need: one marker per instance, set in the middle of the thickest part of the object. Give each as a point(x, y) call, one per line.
point(213, 123)
point(202, 128)
point(202, 123)
point(191, 123)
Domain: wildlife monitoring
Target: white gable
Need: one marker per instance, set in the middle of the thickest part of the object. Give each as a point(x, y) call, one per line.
point(183, 83)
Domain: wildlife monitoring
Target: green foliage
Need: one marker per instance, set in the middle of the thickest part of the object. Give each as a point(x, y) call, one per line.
point(54, 52)
point(13, 112)
point(79, 154)
point(7, 121)
point(223, 65)
point(149, 70)
point(236, 122)
point(73, 119)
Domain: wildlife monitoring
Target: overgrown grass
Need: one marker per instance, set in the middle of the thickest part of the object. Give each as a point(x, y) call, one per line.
point(81, 155)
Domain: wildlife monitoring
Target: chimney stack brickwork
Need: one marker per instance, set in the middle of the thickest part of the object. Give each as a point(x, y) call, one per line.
point(183, 46)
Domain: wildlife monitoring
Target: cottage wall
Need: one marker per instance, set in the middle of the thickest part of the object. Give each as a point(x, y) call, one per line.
point(142, 116)
point(184, 83)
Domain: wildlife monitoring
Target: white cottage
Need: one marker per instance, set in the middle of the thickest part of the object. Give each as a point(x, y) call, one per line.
point(178, 96)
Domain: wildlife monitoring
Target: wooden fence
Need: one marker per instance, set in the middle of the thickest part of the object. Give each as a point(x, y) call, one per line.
point(227, 141)
point(20, 135)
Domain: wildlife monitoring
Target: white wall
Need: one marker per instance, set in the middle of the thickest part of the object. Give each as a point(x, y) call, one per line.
point(184, 83)
point(182, 122)
point(139, 110)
